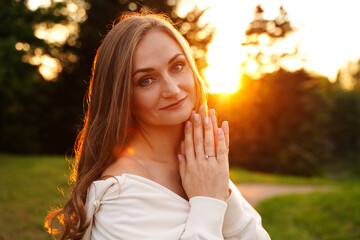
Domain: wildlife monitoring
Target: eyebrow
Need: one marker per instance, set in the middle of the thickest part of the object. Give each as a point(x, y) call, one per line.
point(152, 69)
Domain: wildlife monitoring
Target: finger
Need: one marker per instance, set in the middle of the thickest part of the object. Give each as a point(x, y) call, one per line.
point(202, 111)
point(221, 151)
point(192, 115)
point(225, 128)
point(212, 117)
point(188, 143)
point(182, 147)
point(198, 137)
point(209, 137)
point(182, 165)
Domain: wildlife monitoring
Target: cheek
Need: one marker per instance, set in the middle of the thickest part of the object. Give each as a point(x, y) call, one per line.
point(136, 101)
point(191, 86)
point(140, 104)
point(188, 81)
point(144, 102)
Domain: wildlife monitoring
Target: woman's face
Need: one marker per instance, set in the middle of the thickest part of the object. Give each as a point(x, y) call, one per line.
point(163, 83)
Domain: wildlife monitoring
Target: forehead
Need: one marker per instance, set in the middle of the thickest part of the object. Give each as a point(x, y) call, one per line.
point(156, 47)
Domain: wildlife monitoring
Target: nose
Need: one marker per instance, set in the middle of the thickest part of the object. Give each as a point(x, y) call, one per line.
point(170, 87)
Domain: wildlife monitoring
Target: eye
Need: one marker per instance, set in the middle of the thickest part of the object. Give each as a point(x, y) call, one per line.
point(178, 67)
point(146, 81)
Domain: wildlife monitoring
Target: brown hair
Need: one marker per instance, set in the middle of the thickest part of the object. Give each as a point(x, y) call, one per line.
point(108, 122)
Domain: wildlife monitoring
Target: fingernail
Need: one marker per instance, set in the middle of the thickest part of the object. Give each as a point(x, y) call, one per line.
point(187, 124)
point(206, 120)
point(196, 117)
point(226, 123)
point(219, 131)
point(179, 157)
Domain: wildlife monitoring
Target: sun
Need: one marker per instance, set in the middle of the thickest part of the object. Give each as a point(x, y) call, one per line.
point(224, 58)
point(223, 76)
point(225, 53)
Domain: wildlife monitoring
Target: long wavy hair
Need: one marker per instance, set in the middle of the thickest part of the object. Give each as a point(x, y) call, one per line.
point(108, 121)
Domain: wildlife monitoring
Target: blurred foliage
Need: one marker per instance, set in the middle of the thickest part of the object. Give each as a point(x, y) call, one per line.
point(267, 45)
point(278, 125)
point(349, 76)
point(24, 96)
point(345, 124)
point(291, 122)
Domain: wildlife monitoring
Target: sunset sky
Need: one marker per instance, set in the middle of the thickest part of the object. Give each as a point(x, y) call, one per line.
point(328, 33)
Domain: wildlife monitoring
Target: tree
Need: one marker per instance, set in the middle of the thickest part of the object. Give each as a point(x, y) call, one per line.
point(345, 123)
point(278, 123)
point(345, 112)
point(23, 102)
point(348, 76)
point(264, 41)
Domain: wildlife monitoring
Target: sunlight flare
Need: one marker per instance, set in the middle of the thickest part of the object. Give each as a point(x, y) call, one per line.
point(225, 53)
point(224, 78)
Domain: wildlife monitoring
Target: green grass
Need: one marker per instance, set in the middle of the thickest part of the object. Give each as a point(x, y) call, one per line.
point(239, 175)
point(27, 192)
point(29, 184)
point(333, 215)
point(330, 215)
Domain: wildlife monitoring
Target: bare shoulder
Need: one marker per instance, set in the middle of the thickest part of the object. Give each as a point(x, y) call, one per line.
point(125, 165)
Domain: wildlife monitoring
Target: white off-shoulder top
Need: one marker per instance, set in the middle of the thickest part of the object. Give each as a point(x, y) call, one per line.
point(131, 207)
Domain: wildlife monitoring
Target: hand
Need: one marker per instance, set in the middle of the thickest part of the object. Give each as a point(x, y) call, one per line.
point(203, 176)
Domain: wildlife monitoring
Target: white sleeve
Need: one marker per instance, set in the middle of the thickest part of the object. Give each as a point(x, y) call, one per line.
point(241, 219)
point(205, 219)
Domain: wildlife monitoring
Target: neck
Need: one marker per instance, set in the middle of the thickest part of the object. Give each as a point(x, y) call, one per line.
point(160, 144)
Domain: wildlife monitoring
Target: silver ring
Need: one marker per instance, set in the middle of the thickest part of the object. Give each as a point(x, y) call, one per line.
point(207, 156)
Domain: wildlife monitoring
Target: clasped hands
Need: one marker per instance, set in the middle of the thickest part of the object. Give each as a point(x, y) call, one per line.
point(204, 161)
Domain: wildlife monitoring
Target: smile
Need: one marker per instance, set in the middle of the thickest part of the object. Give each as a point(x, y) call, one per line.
point(174, 105)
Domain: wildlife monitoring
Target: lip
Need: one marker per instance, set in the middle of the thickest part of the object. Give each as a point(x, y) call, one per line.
point(174, 105)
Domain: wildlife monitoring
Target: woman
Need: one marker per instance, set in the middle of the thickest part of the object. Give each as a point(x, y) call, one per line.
point(150, 162)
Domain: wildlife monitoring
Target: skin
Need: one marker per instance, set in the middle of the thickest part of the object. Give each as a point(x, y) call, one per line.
point(162, 149)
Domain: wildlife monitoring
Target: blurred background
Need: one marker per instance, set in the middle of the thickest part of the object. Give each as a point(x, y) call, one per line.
point(285, 74)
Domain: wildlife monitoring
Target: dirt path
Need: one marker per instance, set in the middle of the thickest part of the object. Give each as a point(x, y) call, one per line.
point(254, 193)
